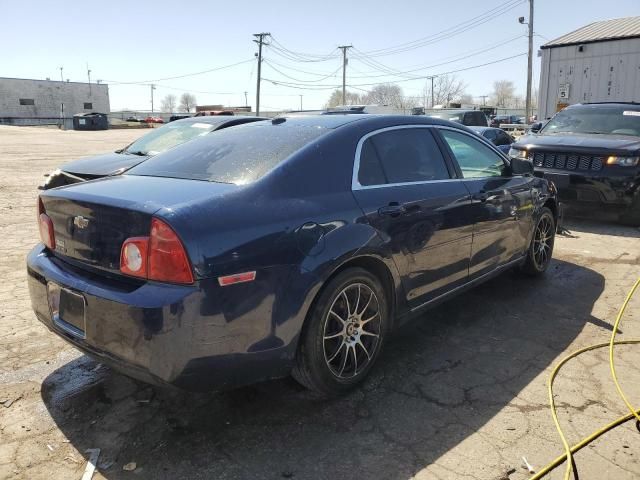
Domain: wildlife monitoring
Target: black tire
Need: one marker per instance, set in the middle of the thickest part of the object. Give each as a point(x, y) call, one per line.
point(541, 246)
point(631, 217)
point(335, 355)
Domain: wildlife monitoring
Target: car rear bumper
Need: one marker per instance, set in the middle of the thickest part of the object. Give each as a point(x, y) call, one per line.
point(596, 194)
point(159, 333)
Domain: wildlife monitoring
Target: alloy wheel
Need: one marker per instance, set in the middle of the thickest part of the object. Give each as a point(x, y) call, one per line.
point(543, 242)
point(352, 328)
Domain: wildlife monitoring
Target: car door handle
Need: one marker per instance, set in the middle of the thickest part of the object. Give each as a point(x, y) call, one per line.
point(394, 209)
point(481, 196)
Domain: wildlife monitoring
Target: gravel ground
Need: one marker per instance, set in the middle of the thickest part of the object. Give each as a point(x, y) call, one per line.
point(458, 394)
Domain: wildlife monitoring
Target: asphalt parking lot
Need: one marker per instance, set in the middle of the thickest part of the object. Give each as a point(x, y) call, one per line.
point(458, 394)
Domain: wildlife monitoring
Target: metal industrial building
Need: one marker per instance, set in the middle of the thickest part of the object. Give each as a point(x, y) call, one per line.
point(42, 102)
point(596, 63)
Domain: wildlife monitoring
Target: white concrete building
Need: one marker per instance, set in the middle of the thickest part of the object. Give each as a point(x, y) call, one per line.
point(37, 102)
point(596, 63)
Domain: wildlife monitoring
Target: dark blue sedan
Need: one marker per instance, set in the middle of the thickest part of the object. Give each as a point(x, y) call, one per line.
point(291, 246)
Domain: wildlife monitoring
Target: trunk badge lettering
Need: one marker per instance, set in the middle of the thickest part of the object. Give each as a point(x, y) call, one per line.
point(80, 222)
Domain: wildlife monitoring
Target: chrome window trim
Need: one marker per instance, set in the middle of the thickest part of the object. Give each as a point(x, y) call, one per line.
point(355, 184)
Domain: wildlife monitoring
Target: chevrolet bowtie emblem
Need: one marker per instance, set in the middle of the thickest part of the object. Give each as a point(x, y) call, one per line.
point(80, 222)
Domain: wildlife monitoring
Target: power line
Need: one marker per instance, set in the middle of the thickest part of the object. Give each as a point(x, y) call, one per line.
point(454, 59)
point(448, 32)
point(298, 80)
point(424, 77)
point(142, 82)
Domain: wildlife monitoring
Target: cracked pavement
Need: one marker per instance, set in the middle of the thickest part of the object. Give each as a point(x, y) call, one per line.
point(460, 393)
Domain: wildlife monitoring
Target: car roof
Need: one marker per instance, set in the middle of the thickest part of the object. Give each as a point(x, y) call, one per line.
point(331, 122)
point(220, 119)
point(605, 104)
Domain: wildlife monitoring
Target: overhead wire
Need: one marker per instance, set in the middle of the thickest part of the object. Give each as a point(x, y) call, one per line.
point(450, 32)
point(202, 72)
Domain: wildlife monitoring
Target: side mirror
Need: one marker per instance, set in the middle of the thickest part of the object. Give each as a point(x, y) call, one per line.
point(535, 128)
point(520, 166)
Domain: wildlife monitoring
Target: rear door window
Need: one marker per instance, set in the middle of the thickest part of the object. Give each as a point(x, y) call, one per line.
point(476, 160)
point(403, 155)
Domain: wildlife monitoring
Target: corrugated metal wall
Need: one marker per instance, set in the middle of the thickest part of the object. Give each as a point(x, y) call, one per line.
point(601, 72)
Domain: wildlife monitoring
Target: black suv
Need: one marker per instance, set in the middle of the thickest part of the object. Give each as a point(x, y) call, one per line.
point(591, 151)
point(471, 118)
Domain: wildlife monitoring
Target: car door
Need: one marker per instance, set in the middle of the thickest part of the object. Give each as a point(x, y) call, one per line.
point(409, 192)
point(502, 202)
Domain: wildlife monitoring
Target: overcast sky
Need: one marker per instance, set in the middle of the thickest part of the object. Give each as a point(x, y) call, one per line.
point(138, 41)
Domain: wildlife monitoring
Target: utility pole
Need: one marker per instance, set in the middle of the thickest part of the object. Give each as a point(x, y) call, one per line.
point(529, 63)
point(432, 96)
point(61, 77)
point(300, 102)
point(153, 87)
point(484, 99)
point(89, 78)
point(246, 102)
point(260, 41)
point(344, 49)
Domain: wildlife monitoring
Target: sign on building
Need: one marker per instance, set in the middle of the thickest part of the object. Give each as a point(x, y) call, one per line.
point(563, 91)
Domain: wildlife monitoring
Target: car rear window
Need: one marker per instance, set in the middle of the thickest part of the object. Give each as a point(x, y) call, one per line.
point(237, 155)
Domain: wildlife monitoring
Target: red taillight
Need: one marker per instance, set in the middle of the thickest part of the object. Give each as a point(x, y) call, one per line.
point(160, 256)
point(168, 260)
point(45, 225)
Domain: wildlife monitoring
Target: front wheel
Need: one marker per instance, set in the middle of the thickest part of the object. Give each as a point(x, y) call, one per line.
point(343, 334)
point(541, 247)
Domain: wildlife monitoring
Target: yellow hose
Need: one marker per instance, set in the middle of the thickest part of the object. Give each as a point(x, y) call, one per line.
point(570, 450)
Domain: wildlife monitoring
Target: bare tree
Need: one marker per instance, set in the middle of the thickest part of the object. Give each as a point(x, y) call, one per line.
point(503, 93)
point(187, 102)
point(446, 89)
point(335, 99)
point(385, 94)
point(466, 99)
point(169, 103)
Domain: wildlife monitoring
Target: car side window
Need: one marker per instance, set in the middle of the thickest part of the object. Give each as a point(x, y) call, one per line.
point(480, 118)
point(401, 156)
point(475, 159)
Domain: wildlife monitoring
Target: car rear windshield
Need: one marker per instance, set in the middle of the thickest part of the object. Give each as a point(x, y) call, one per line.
point(598, 119)
point(168, 136)
point(237, 155)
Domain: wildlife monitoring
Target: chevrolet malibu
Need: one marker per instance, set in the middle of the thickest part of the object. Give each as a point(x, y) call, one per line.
point(291, 246)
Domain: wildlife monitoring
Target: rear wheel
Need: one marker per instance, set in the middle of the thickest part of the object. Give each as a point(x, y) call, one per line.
point(541, 247)
point(343, 334)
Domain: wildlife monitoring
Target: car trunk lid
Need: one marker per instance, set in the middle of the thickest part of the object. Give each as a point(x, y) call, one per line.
point(91, 220)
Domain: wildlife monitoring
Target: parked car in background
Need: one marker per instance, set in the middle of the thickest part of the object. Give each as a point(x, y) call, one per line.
point(465, 117)
point(134, 119)
point(145, 147)
point(151, 119)
point(497, 136)
point(591, 152)
point(290, 246)
point(506, 119)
